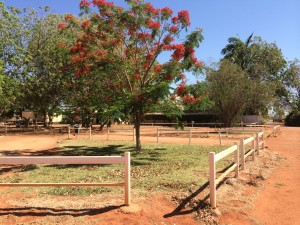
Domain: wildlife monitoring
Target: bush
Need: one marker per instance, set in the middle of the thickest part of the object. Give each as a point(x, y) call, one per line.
point(293, 119)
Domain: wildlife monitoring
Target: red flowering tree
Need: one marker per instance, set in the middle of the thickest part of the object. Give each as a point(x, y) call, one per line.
point(121, 47)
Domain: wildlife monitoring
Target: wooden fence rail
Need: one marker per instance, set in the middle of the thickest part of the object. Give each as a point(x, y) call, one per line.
point(4, 128)
point(244, 153)
point(25, 160)
point(276, 130)
point(213, 181)
point(109, 130)
point(190, 131)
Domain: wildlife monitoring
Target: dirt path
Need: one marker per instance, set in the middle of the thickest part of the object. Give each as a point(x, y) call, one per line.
point(278, 202)
point(277, 199)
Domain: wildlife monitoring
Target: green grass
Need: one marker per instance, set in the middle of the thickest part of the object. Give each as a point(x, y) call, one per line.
point(159, 167)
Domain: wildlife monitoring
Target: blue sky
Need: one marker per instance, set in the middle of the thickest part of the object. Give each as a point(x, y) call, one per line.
point(274, 20)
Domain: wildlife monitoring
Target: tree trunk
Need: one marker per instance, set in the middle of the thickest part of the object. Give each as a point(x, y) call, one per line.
point(35, 120)
point(137, 123)
point(45, 118)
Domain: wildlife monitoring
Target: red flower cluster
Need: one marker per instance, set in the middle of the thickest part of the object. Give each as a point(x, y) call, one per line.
point(98, 2)
point(137, 76)
point(85, 24)
point(144, 36)
point(189, 51)
point(73, 49)
point(157, 69)
point(102, 3)
point(69, 17)
point(84, 3)
point(168, 39)
point(150, 56)
point(83, 71)
point(173, 29)
point(153, 25)
point(167, 11)
point(181, 88)
point(179, 51)
point(169, 76)
point(62, 26)
point(184, 17)
point(188, 99)
point(150, 9)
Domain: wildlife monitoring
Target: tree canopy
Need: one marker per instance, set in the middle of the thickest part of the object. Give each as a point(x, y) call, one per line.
point(120, 47)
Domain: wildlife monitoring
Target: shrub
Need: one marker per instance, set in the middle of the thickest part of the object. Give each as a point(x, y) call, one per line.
point(293, 119)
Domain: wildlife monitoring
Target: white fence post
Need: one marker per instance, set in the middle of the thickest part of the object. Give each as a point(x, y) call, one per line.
point(257, 142)
point(127, 178)
point(69, 132)
point(220, 138)
point(237, 159)
point(107, 134)
point(133, 133)
point(242, 147)
point(90, 132)
point(157, 135)
point(212, 180)
point(190, 136)
point(253, 147)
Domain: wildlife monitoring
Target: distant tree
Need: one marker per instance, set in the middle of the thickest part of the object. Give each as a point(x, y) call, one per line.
point(120, 47)
point(44, 85)
point(264, 64)
point(227, 88)
point(11, 58)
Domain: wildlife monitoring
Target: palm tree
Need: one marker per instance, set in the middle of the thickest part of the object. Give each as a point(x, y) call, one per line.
point(237, 51)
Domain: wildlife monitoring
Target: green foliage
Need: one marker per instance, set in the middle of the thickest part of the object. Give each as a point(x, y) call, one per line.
point(117, 49)
point(265, 65)
point(227, 88)
point(293, 119)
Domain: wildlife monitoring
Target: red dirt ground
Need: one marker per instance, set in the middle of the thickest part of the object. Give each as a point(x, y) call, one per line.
point(277, 202)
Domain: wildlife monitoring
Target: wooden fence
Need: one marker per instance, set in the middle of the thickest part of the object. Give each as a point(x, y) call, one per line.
point(25, 160)
point(276, 130)
point(244, 152)
point(256, 142)
point(77, 131)
point(213, 181)
point(109, 130)
point(4, 128)
point(190, 131)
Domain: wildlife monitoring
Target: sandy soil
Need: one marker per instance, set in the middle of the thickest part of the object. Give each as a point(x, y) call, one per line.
point(267, 192)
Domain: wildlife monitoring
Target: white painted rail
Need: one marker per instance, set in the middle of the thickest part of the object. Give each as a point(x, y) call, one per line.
point(109, 130)
point(213, 181)
point(25, 160)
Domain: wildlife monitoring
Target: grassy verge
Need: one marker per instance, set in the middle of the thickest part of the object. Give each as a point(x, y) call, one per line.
point(159, 167)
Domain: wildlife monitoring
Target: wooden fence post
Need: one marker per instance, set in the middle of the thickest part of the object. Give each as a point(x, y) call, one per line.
point(257, 142)
point(133, 133)
point(220, 139)
point(90, 132)
point(212, 180)
point(242, 147)
point(127, 178)
point(190, 136)
point(237, 159)
point(253, 147)
point(157, 135)
point(69, 132)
